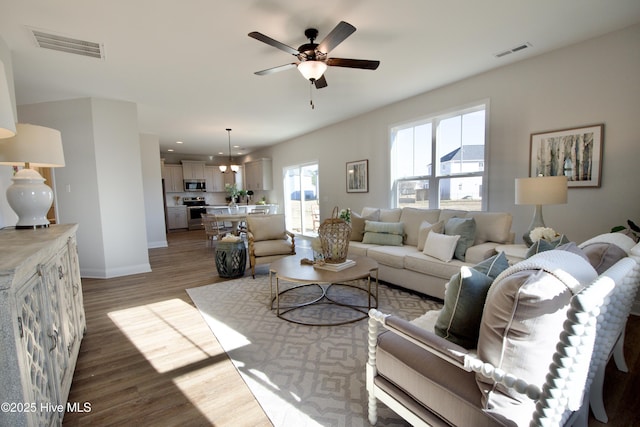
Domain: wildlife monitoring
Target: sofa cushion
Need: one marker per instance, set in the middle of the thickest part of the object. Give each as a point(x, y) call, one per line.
point(266, 227)
point(492, 226)
point(438, 385)
point(359, 249)
point(390, 215)
point(478, 253)
point(459, 320)
point(425, 264)
point(386, 239)
point(447, 214)
point(424, 230)
point(392, 256)
point(412, 218)
point(373, 213)
point(466, 229)
point(272, 247)
point(441, 246)
point(522, 319)
point(357, 225)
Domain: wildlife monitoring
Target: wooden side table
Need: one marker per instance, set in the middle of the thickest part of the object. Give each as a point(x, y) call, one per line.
point(514, 253)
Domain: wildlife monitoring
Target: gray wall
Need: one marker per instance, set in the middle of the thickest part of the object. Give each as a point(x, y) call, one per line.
point(101, 186)
point(597, 81)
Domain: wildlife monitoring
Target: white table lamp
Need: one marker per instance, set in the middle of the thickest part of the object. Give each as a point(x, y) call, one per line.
point(538, 191)
point(29, 196)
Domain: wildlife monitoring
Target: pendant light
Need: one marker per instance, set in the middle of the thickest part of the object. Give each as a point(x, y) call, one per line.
point(231, 166)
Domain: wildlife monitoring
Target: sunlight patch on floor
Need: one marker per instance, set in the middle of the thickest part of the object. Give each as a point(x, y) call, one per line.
point(150, 327)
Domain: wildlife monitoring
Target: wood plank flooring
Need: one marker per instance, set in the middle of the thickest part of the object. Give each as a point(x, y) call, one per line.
point(148, 358)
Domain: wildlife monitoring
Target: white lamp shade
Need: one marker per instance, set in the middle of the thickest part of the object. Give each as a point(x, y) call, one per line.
point(541, 190)
point(7, 120)
point(37, 145)
point(312, 70)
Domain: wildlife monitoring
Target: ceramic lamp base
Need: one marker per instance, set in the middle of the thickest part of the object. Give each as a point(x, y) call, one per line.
point(30, 198)
point(537, 221)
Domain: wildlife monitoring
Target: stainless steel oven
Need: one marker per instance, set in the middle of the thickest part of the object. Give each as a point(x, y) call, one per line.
point(195, 209)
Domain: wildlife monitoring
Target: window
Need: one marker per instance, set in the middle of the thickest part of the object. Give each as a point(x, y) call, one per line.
point(301, 199)
point(439, 162)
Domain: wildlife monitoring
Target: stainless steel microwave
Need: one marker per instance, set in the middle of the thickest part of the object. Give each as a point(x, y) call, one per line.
point(194, 185)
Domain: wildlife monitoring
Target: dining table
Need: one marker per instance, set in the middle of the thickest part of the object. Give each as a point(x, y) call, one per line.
point(234, 219)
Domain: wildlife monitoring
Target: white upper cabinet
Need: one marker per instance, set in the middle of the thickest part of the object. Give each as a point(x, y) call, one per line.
point(257, 175)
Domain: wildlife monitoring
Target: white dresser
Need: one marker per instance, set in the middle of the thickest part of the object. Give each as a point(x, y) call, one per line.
point(43, 322)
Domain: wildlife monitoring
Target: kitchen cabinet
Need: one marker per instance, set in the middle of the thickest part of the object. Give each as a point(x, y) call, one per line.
point(257, 175)
point(214, 179)
point(177, 217)
point(192, 169)
point(173, 180)
point(43, 322)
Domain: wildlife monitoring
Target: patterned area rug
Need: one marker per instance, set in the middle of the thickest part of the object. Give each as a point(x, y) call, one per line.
point(301, 375)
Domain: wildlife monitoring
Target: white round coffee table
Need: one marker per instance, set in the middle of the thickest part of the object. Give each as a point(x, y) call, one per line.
point(323, 287)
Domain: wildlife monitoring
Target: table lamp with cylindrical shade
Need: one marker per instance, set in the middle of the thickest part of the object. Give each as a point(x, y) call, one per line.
point(538, 191)
point(29, 196)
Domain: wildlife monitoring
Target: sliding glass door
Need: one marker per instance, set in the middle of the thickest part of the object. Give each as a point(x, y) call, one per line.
point(301, 195)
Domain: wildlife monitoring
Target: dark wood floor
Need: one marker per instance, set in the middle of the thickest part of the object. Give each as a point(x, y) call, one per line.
point(149, 358)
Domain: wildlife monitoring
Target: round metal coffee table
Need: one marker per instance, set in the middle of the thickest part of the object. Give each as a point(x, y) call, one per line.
point(324, 287)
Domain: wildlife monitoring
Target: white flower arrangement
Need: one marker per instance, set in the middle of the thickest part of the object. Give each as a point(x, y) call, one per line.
point(545, 233)
point(345, 214)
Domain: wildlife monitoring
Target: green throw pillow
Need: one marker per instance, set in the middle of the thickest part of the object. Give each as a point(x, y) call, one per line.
point(384, 227)
point(466, 229)
point(385, 239)
point(459, 319)
point(493, 266)
point(542, 245)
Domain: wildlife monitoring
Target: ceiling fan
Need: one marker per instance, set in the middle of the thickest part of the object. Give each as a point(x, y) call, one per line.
point(312, 57)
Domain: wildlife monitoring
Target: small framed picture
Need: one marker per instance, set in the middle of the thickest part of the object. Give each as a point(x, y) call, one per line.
point(575, 153)
point(358, 176)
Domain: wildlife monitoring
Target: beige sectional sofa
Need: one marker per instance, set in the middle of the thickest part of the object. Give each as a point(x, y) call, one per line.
point(407, 265)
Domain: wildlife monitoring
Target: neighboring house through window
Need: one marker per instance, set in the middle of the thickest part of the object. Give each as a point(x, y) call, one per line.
point(456, 140)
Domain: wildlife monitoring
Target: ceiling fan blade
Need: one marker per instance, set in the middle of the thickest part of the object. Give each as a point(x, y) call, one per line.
point(353, 63)
point(271, 42)
point(320, 83)
point(336, 36)
point(276, 69)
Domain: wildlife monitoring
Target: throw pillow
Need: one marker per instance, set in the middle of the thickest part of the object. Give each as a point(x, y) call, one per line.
point(459, 319)
point(466, 229)
point(425, 229)
point(385, 239)
point(384, 227)
point(440, 246)
point(542, 245)
point(493, 266)
point(603, 255)
point(357, 225)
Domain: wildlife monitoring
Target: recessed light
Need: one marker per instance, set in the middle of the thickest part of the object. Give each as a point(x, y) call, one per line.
point(179, 142)
point(170, 150)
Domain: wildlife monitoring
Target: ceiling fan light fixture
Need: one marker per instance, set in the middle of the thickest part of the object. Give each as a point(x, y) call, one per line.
point(312, 69)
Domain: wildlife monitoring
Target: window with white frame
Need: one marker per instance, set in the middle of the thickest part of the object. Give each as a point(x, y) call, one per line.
point(438, 162)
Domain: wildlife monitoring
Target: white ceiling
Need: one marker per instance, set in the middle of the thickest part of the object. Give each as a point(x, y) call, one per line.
point(188, 65)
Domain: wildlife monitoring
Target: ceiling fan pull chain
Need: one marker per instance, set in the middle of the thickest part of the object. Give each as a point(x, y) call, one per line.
point(313, 107)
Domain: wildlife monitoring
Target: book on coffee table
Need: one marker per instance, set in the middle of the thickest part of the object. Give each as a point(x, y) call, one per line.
point(336, 267)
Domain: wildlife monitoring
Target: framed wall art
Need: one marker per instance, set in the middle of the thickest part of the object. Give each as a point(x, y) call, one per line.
point(575, 153)
point(358, 176)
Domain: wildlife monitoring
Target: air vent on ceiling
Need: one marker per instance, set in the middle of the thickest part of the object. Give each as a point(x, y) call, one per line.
point(47, 40)
point(513, 50)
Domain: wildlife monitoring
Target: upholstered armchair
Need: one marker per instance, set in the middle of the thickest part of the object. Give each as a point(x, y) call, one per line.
point(268, 239)
point(546, 332)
